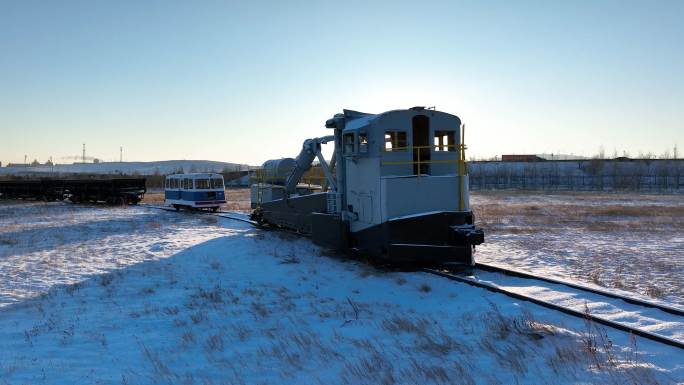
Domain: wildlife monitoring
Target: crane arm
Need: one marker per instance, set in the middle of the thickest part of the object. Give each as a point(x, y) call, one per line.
point(311, 149)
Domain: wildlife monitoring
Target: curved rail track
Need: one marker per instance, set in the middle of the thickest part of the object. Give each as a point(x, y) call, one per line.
point(223, 214)
point(656, 310)
point(635, 301)
point(492, 269)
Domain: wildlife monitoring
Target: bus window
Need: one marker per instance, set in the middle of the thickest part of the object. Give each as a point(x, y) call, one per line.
point(217, 183)
point(187, 184)
point(202, 184)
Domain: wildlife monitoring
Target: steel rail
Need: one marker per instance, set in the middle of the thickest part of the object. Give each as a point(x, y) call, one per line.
point(222, 214)
point(605, 293)
point(549, 305)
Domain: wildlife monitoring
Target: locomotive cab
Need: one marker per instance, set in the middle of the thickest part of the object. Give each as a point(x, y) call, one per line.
point(406, 186)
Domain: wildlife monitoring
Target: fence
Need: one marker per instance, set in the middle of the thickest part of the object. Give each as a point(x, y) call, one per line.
point(575, 183)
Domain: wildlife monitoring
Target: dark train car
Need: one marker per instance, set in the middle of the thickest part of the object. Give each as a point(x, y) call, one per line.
point(107, 190)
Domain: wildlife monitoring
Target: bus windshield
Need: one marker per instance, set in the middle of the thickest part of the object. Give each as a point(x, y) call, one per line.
point(217, 183)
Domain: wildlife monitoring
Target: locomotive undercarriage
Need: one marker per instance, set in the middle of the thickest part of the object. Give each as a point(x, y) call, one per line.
point(437, 237)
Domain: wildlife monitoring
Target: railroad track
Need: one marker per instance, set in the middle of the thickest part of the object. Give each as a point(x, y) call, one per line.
point(646, 319)
point(223, 214)
point(517, 273)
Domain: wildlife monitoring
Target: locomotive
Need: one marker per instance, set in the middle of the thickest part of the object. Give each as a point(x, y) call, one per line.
point(395, 189)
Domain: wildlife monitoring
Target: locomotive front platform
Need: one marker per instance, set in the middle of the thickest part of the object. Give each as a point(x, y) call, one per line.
point(107, 190)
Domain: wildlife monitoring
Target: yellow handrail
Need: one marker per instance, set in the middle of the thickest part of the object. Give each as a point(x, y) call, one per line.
point(432, 146)
point(460, 148)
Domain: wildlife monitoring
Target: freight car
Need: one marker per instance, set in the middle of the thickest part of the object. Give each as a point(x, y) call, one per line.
point(108, 190)
point(395, 189)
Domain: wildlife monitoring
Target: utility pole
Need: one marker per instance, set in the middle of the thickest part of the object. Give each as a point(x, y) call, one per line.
point(675, 152)
point(121, 154)
point(83, 153)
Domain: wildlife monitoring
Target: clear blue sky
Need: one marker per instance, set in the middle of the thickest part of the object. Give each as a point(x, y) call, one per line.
point(247, 81)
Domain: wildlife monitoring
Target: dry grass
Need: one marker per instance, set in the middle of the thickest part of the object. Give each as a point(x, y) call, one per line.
point(214, 343)
point(106, 279)
point(154, 197)
point(425, 288)
point(622, 366)
point(496, 211)
point(259, 310)
point(153, 225)
point(8, 241)
point(209, 220)
point(655, 291)
point(187, 338)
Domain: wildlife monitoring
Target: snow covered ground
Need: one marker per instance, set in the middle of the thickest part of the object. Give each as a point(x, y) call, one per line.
point(626, 242)
point(138, 296)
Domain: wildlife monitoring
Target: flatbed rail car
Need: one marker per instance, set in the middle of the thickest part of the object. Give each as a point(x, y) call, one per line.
point(107, 190)
point(195, 191)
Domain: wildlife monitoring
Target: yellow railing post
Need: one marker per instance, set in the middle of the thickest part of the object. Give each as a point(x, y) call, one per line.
point(461, 170)
point(419, 162)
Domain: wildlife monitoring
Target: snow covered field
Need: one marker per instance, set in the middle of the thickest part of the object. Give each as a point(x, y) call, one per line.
point(628, 242)
point(138, 296)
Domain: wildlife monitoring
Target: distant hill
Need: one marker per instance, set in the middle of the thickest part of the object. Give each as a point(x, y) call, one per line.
point(142, 168)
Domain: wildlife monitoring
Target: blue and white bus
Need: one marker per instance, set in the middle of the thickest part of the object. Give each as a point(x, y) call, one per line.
point(198, 190)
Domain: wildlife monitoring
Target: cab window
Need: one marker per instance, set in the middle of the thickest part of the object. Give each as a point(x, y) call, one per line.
point(363, 142)
point(217, 183)
point(444, 141)
point(348, 141)
point(395, 141)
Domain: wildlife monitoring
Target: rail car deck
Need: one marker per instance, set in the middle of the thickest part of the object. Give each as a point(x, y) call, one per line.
point(107, 190)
